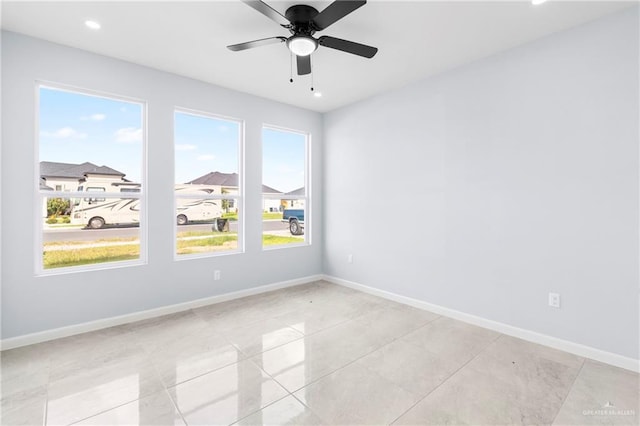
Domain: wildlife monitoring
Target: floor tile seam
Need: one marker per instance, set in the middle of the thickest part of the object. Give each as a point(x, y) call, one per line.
point(333, 370)
point(328, 328)
point(247, 356)
point(325, 328)
point(417, 396)
point(311, 409)
point(619, 370)
point(167, 387)
point(112, 408)
point(414, 329)
point(539, 358)
point(573, 383)
point(501, 335)
point(356, 319)
point(261, 408)
point(249, 324)
point(440, 355)
point(46, 402)
point(44, 385)
point(419, 328)
point(45, 409)
point(137, 353)
point(175, 405)
point(278, 320)
point(376, 309)
point(271, 377)
point(442, 383)
point(230, 343)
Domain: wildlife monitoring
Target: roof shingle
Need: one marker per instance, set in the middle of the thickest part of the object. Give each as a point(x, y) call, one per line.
point(227, 179)
point(49, 169)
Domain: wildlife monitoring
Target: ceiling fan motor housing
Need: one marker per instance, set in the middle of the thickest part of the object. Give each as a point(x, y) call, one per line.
point(301, 17)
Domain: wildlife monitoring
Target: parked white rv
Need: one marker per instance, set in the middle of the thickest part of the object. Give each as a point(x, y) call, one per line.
point(97, 212)
point(197, 209)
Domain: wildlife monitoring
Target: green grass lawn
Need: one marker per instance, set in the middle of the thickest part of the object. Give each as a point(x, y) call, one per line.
point(92, 255)
point(88, 256)
point(265, 216)
point(203, 245)
point(268, 216)
point(276, 240)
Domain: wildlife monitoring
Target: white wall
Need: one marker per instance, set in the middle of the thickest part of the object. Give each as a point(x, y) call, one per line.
point(522, 175)
point(31, 304)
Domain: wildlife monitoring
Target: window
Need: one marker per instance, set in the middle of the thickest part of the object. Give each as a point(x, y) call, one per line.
point(208, 184)
point(285, 188)
point(88, 146)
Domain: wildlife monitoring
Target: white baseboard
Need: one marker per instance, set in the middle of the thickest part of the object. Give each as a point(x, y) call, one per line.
point(56, 333)
point(531, 336)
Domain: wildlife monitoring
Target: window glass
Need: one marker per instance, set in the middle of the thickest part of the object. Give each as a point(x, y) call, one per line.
point(285, 220)
point(92, 146)
point(208, 184)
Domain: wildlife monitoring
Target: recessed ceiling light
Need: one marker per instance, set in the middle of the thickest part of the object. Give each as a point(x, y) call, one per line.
point(537, 2)
point(317, 94)
point(92, 24)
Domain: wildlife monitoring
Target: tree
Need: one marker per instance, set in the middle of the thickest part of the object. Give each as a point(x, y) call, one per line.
point(58, 206)
point(225, 203)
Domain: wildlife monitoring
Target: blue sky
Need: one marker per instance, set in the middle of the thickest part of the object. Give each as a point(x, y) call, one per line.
point(204, 145)
point(75, 128)
point(283, 159)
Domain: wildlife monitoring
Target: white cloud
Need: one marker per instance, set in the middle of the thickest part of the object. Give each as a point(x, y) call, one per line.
point(185, 147)
point(128, 135)
point(206, 157)
point(64, 133)
point(94, 117)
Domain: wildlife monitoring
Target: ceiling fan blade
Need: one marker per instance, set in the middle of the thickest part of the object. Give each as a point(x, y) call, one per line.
point(336, 11)
point(267, 11)
point(256, 43)
point(348, 46)
point(304, 64)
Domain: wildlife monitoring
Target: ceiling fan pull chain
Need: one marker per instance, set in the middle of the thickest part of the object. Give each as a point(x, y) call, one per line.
point(291, 68)
point(311, 58)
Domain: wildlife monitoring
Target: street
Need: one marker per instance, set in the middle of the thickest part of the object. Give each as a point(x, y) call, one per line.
point(79, 234)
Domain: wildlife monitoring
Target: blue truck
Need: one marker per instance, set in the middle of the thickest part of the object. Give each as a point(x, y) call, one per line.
point(295, 219)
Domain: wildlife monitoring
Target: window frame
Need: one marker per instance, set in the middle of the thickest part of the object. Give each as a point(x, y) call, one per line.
point(41, 195)
point(238, 198)
point(308, 219)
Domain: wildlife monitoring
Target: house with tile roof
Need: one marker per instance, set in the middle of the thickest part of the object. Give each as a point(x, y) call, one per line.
point(229, 184)
point(68, 176)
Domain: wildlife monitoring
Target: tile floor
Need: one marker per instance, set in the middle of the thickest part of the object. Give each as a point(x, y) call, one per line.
point(317, 354)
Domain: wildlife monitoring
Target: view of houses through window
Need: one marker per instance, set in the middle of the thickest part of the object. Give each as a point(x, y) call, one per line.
point(91, 152)
point(284, 187)
point(208, 190)
point(91, 189)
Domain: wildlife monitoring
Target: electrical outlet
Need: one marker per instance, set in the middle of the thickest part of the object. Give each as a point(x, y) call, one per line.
point(349, 258)
point(216, 275)
point(554, 300)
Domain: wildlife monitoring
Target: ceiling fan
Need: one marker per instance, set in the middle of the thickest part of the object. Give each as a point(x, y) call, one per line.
point(303, 22)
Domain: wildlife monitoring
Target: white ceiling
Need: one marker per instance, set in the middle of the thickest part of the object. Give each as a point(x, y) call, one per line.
point(415, 39)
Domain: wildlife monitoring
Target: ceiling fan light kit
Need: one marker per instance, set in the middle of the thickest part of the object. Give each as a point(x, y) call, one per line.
point(302, 45)
point(303, 22)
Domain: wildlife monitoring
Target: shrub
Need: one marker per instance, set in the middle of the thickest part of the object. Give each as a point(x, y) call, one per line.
point(52, 219)
point(58, 206)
